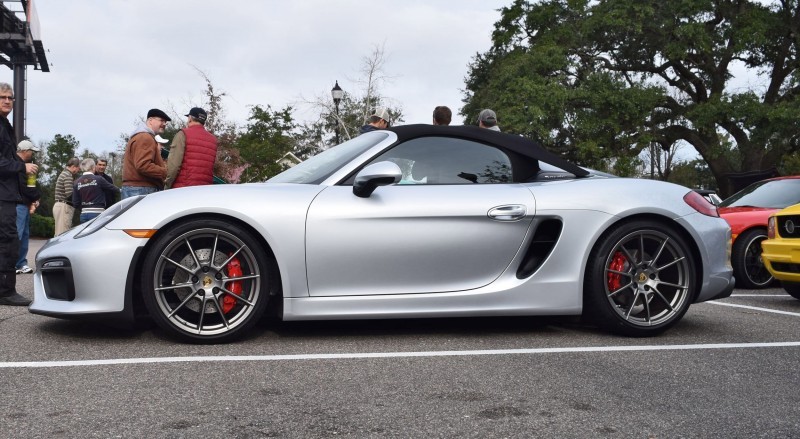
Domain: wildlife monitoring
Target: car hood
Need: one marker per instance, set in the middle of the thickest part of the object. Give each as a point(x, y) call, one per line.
point(791, 210)
point(248, 202)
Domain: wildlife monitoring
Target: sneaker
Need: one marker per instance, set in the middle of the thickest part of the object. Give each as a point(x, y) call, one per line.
point(24, 270)
point(15, 299)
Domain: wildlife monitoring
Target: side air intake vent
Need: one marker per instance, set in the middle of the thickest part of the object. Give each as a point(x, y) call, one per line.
point(544, 239)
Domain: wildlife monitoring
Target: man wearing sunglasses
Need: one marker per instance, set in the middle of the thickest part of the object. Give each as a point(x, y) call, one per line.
point(11, 166)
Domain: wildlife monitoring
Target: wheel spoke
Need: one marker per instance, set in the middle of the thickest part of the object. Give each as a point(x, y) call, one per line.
point(641, 246)
point(182, 304)
point(214, 252)
point(177, 264)
point(202, 315)
point(660, 250)
point(236, 296)
point(647, 308)
point(191, 252)
point(219, 309)
point(664, 299)
point(670, 284)
point(175, 286)
point(243, 277)
point(620, 289)
point(233, 255)
point(633, 304)
point(670, 264)
point(629, 256)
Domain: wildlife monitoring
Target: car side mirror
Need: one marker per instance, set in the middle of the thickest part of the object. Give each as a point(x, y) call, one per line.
point(374, 175)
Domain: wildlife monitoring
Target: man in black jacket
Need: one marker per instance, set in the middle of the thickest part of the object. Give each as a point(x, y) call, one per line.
point(11, 166)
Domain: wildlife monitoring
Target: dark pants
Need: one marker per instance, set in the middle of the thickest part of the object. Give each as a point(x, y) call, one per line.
point(9, 247)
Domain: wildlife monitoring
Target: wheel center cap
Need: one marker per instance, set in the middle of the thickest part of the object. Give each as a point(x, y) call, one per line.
point(642, 277)
point(207, 281)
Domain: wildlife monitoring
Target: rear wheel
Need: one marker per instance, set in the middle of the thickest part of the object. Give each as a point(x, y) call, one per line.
point(748, 267)
point(793, 288)
point(206, 281)
point(640, 279)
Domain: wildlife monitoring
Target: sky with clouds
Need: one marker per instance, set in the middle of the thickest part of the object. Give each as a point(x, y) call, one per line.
point(112, 60)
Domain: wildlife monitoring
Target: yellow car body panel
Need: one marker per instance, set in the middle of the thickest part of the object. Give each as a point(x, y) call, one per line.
point(781, 250)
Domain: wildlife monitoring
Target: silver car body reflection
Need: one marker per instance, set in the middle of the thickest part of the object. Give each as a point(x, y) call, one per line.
point(403, 251)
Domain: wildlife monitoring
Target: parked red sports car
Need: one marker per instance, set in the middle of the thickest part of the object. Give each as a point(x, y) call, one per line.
point(747, 212)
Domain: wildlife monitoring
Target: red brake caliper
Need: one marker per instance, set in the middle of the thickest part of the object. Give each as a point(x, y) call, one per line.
point(234, 270)
point(617, 264)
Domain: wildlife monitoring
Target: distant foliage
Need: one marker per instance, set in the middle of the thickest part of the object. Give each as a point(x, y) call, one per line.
point(42, 226)
point(600, 80)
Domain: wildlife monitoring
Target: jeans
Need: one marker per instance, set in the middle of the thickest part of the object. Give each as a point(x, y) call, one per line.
point(132, 191)
point(24, 233)
point(88, 216)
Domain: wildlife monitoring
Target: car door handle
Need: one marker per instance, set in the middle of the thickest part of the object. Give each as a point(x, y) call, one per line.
point(511, 212)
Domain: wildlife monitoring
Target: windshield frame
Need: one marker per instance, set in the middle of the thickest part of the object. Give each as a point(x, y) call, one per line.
point(320, 167)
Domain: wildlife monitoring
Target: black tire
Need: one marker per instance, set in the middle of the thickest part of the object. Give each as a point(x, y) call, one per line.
point(748, 267)
point(640, 279)
point(185, 288)
point(792, 288)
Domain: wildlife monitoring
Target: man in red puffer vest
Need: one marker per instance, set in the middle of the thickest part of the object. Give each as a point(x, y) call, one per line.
point(192, 153)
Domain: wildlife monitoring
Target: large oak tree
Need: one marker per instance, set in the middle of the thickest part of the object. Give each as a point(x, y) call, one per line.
point(599, 81)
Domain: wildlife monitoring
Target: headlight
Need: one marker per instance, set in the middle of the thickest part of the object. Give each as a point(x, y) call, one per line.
point(109, 215)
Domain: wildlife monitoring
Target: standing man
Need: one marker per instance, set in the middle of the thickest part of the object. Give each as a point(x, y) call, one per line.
point(488, 119)
point(442, 115)
point(192, 153)
point(100, 171)
point(11, 166)
point(89, 192)
point(30, 200)
point(63, 211)
point(378, 121)
point(143, 169)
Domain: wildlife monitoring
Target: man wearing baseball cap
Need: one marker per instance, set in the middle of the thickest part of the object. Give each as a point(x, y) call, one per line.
point(143, 169)
point(488, 119)
point(378, 121)
point(192, 153)
point(26, 206)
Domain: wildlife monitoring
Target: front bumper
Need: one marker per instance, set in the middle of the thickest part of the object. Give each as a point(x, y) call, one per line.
point(782, 258)
point(86, 277)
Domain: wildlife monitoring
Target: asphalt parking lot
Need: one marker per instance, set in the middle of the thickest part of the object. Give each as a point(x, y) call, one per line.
point(729, 369)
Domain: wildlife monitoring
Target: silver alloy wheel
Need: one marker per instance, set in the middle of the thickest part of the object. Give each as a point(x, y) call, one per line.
point(196, 282)
point(647, 278)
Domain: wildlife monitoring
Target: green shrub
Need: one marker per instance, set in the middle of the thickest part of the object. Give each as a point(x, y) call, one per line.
point(42, 226)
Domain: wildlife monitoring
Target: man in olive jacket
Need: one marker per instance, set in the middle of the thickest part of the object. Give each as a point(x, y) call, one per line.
point(143, 169)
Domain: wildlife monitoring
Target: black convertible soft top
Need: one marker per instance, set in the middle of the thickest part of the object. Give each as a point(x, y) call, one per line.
point(511, 142)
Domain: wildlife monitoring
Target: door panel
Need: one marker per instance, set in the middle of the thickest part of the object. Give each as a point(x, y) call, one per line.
point(413, 238)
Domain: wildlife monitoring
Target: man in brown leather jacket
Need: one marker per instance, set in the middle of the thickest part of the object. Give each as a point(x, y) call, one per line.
point(143, 169)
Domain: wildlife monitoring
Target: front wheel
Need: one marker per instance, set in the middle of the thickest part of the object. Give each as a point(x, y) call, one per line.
point(206, 281)
point(748, 266)
point(640, 279)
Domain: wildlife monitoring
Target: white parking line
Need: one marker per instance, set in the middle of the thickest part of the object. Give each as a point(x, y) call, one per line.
point(42, 364)
point(762, 295)
point(774, 311)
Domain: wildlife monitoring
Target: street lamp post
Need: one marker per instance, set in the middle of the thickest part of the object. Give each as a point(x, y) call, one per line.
point(337, 93)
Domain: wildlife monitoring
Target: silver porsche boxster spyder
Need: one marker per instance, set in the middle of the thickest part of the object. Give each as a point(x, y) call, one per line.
point(410, 222)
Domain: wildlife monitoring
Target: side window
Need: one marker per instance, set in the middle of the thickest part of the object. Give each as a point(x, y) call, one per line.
point(445, 160)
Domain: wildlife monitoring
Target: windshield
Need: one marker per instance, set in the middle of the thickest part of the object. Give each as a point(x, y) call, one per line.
point(773, 194)
point(318, 168)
